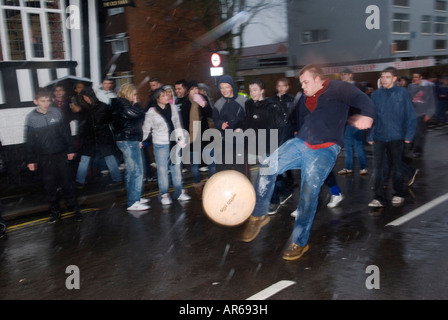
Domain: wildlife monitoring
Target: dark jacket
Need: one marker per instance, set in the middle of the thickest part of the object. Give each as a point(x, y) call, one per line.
point(46, 134)
point(327, 122)
point(204, 113)
point(229, 110)
point(263, 114)
point(285, 105)
point(127, 120)
point(395, 115)
point(94, 130)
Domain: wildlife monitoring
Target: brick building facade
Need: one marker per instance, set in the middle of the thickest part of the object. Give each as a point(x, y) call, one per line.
point(160, 36)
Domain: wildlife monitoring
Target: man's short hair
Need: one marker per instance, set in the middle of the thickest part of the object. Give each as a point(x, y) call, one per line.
point(42, 92)
point(182, 82)
point(391, 70)
point(258, 82)
point(314, 70)
point(285, 80)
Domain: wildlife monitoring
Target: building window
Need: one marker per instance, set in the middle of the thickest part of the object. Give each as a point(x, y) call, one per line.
point(312, 36)
point(426, 24)
point(115, 11)
point(440, 5)
point(401, 45)
point(401, 3)
point(118, 42)
point(440, 25)
point(119, 46)
point(400, 23)
point(32, 30)
point(439, 44)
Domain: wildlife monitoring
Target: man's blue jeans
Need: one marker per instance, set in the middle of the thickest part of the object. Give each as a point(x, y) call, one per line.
point(315, 165)
point(133, 160)
point(353, 141)
point(164, 164)
point(111, 163)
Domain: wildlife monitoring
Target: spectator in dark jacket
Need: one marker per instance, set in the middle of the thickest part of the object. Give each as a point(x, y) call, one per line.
point(395, 124)
point(194, 112)
point(95, 136)
point(128, 117)
point(229, 115)
point(48, 147)
point(265, 116)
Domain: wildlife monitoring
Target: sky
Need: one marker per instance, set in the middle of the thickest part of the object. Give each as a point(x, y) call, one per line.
point(267, 27)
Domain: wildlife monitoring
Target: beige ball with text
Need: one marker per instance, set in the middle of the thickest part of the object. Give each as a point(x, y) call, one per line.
point(228, 198)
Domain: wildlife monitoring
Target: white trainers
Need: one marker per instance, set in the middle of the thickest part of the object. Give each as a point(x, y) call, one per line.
point(144, 200)
point(184, 196)
point(138, 206)
point(345, 171)
point(363, 172)
point(166, 199)
point(295, 213)
point(375, 204)
point(397, 201)
point(334, 201)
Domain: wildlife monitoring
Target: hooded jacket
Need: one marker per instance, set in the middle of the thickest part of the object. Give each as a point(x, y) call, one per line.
point(94, 130)
point(231, 110)
point(395, 115)
point(46, 134)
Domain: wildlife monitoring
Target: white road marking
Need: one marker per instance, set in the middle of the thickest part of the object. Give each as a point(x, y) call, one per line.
point(419, 211)
point(271, 290)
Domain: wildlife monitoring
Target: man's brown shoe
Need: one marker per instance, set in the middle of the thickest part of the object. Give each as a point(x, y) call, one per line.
point(294, 252)
point(253, 227)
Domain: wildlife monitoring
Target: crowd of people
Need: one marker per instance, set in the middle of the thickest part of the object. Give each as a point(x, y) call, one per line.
point(115, 131)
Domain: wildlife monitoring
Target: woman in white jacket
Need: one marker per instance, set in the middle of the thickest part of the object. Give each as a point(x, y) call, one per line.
point(163, 123)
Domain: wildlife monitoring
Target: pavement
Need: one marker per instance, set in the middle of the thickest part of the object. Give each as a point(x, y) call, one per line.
point(27, 200)
point(20, 201)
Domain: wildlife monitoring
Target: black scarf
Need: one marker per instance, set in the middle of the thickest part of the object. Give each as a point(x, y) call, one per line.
point(166, 115)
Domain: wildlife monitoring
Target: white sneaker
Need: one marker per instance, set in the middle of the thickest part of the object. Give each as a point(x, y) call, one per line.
point(166, 199)
point(144, 200)
point(137, 206)
point(375, 204)
point(397, 201)
point(334, 201)
point(345, 171)
point(295, 213)
point(184, 196)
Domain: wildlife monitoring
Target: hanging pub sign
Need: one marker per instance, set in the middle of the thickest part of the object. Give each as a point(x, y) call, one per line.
point(109, 4)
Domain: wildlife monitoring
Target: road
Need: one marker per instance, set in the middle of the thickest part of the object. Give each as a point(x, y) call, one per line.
point(177, 253)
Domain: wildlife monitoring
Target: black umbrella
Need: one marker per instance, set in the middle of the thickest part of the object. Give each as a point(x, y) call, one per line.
point(68, 82)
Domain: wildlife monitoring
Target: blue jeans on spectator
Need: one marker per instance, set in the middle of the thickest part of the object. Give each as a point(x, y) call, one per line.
point(195, 161)
point(111, 163)
point(164, 163)
point(133, 160)
point(315, 165)
point(353, 141)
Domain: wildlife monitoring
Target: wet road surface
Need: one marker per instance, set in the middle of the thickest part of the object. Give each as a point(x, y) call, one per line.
point(177, 253)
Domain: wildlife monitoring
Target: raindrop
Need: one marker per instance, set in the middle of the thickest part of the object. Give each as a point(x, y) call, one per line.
point(230, 275)
point(226, 251)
